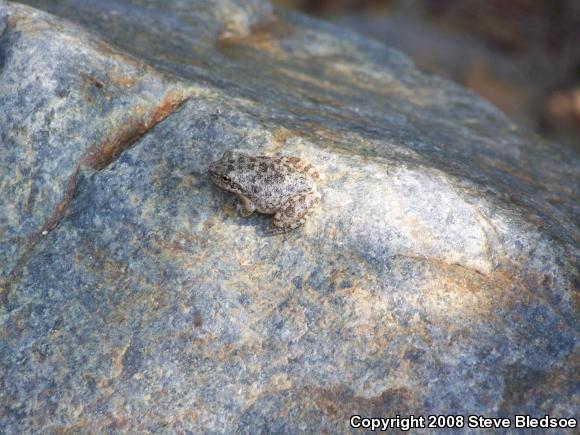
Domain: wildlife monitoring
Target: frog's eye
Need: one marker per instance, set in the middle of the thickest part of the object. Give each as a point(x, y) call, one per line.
point(225, 178)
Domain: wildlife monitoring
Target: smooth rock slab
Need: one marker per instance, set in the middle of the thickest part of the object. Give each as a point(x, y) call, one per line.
point(438, 276)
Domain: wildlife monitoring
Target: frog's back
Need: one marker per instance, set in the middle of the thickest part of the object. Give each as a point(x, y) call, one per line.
point(269, 182)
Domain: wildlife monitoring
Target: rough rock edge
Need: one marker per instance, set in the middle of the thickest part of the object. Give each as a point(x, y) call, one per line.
point(97, 157)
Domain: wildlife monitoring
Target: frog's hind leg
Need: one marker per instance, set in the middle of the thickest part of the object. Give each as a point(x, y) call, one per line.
point(295, 211)
point(300, 165)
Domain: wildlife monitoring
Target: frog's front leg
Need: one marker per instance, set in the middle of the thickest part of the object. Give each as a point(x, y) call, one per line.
point(294, 211)
point(245, 207)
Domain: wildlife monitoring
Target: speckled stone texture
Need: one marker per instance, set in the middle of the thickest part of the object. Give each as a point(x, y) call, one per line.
point(439, 274)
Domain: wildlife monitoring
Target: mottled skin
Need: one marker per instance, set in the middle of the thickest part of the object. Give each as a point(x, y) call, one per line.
point(283, 186)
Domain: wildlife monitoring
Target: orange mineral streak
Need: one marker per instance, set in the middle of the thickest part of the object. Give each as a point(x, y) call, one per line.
point(104, 153)
point(264, 37)
point(98, 157)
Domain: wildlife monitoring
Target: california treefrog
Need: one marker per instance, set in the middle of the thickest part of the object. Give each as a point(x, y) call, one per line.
point(282, 186)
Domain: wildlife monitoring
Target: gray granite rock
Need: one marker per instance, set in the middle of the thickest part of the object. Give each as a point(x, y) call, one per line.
point(438, 275)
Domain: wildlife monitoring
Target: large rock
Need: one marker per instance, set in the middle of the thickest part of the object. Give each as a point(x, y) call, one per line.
point(439, 274)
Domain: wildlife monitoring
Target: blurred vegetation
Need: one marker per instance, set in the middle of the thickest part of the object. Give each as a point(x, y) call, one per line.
point(522, 55)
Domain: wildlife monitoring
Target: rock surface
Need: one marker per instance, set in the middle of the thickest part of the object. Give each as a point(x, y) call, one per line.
point(439, 274)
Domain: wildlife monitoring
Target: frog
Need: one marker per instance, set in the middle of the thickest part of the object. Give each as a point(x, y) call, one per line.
point(284, 187)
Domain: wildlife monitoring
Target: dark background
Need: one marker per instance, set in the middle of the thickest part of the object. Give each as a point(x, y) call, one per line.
point(522, 55)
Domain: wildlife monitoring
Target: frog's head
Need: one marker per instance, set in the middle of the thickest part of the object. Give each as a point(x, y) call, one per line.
point(224, 172)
